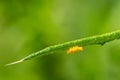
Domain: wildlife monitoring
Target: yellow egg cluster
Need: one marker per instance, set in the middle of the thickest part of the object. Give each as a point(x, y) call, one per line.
point(74, 49)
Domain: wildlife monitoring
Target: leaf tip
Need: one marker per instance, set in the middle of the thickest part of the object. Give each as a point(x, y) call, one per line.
point(19, 61)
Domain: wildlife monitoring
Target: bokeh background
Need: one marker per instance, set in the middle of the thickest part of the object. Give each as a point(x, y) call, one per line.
point(27, 26)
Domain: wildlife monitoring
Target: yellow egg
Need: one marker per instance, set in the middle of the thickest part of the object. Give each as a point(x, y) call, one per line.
point(74, 49)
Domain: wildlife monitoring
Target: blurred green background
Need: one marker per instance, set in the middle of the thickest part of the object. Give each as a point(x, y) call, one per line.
point(27, 26)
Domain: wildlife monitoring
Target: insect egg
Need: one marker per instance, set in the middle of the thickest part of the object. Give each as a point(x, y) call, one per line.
point(74, 49)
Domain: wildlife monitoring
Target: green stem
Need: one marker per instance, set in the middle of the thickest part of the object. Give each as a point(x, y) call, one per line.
point(99, 39)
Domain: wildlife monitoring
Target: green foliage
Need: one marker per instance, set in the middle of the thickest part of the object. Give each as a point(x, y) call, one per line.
point(100, 39)
point(27, 26)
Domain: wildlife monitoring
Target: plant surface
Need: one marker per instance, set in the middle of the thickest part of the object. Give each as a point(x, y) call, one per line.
point(98, 39)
